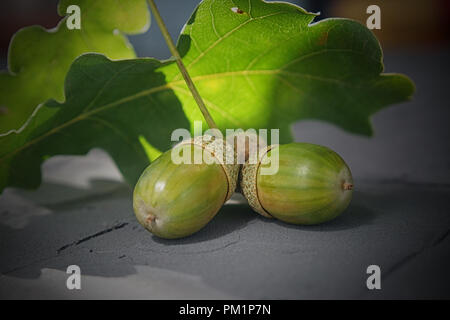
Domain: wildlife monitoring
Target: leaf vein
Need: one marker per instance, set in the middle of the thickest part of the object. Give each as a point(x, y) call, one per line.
point(212, 20)
point(114, 76)
point(117, 131)
point(211, 104)
point(226, 35)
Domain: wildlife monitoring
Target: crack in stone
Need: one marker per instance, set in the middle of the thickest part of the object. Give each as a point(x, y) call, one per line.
point(95, 235)
point(441, 238)
point(405, 260)
point(414, 254)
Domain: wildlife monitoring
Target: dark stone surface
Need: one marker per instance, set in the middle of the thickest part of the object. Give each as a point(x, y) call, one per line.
point(239, 254)
point(399, 219)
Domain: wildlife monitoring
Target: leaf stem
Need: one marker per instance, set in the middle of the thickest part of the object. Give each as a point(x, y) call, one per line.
point(183, 70)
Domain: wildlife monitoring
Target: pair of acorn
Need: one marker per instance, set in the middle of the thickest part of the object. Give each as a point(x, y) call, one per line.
point(176, 199)
point(172, 200)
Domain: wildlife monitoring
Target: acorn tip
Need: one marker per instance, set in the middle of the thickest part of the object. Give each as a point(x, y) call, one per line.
point(347, 186)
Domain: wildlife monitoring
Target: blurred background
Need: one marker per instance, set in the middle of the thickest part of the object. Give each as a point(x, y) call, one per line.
point(411, 23)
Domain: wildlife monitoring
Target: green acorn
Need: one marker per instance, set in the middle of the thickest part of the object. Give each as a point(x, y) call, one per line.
point(176, 200)
point(312, 185)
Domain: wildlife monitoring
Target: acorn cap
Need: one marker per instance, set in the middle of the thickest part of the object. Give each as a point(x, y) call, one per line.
point(245, 143)
point(248, 183)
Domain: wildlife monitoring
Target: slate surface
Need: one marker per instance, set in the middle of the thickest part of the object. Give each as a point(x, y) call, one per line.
point(399, 219)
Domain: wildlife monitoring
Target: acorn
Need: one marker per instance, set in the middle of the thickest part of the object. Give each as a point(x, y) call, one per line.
point(174, 200)
point(312, 185)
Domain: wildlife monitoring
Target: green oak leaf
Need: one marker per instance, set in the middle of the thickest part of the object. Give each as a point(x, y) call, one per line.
point(109, 105)
point(266, 65)
point(256, 64)
point(39, 59)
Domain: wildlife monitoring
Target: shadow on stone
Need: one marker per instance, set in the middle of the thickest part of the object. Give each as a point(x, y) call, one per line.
point(47, 230)
point(230, 218)
point(31, 241)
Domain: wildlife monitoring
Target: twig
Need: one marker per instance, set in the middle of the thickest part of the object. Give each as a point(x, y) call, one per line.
point(184, 72)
